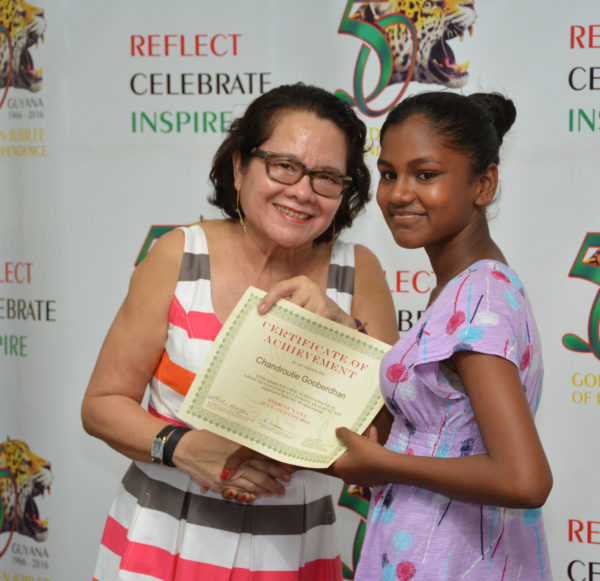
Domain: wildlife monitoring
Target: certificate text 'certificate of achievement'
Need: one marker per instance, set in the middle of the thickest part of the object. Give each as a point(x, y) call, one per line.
point(281, 383)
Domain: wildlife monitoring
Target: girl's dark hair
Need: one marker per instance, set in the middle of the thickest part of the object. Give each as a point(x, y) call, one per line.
point(257, 125)
point(474, 124)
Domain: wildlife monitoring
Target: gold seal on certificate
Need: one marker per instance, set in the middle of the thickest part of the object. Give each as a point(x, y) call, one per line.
point(281, 383)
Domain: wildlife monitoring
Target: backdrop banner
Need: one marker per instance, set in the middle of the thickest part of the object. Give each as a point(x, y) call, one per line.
point(110, 113)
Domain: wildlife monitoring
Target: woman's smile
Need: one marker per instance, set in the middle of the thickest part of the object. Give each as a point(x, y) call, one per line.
point(302, 216)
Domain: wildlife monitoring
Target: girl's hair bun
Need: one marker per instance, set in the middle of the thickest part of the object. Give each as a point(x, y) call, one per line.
point(501, 110)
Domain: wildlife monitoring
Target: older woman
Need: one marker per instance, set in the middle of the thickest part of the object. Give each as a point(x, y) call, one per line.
point(290, 177)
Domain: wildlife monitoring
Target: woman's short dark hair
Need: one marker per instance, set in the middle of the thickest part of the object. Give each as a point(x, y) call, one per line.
point(474, 124)
point(257, 125)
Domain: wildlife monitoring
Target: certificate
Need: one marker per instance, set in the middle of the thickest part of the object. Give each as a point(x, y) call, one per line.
point(281, 383)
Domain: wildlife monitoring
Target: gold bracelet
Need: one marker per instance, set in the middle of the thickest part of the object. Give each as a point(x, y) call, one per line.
point(361, 327)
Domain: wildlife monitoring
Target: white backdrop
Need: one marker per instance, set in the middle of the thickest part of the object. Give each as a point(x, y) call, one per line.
point(82, 181)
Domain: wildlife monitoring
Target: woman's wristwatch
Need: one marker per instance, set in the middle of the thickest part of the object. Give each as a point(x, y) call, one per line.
point(164, 444)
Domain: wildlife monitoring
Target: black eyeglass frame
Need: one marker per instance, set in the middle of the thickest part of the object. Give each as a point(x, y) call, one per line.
point(268, 155)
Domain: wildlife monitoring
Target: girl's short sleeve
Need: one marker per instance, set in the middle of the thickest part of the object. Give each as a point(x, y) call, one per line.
point(484, 309)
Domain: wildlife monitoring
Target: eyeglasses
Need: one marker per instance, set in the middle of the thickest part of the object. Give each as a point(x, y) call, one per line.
point(288, 171)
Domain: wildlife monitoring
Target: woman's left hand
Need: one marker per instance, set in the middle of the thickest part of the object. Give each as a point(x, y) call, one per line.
point(305, 293)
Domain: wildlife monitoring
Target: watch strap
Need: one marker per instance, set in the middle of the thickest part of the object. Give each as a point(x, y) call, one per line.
point(177, 434)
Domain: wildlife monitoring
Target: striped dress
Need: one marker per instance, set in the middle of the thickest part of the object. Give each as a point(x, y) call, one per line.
point(162, 526)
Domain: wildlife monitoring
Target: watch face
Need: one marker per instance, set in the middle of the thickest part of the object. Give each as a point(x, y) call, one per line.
point(157, 449)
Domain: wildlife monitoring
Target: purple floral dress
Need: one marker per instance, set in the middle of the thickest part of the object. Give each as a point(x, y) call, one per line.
point(417, 534)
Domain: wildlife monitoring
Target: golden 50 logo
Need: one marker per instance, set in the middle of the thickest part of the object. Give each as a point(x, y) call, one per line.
point(21, 26)
point(587, 266)
point(410, 39)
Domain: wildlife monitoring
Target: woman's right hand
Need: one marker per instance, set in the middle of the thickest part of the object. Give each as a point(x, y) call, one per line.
point(203, 456)
point(244, 460)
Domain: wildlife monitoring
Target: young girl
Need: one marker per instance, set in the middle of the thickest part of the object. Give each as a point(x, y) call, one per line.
point(463, 472)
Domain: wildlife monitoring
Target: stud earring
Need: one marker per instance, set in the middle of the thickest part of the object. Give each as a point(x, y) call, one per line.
point(237, 206)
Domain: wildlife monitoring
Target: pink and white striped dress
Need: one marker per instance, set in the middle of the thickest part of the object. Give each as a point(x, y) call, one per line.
point(162, 526)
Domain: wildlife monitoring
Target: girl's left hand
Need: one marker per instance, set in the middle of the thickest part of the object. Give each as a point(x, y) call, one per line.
point(364, 461)
point(305, 293)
